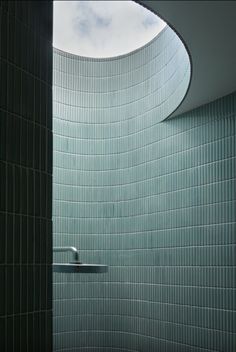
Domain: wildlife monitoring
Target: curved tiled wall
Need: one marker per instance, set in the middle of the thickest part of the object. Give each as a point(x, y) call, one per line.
point(145, 198)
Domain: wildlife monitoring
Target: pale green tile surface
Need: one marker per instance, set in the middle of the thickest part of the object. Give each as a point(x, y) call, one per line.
point(154, 201)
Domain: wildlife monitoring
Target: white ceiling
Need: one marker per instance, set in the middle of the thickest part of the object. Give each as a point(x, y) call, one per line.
point(208, 29)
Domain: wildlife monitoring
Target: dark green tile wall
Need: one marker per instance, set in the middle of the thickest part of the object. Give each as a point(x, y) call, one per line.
point(25, 175)
point(154, 201)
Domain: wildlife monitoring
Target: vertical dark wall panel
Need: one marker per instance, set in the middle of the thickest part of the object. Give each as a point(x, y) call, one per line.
point(26, 175)
point(154, 201)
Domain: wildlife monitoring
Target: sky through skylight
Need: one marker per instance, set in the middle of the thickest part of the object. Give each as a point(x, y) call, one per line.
point(103, 28)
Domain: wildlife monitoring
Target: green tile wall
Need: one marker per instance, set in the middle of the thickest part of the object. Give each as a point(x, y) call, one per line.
point(154, 201)
point(25, 176)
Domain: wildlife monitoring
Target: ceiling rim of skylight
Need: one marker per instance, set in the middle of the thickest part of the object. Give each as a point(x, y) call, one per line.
point(111, 58)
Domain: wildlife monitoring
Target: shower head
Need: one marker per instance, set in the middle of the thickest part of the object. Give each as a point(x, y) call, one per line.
point(76, 266)
point(80, 268)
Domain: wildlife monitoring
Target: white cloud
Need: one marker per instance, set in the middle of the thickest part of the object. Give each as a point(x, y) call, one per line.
point(103, 28)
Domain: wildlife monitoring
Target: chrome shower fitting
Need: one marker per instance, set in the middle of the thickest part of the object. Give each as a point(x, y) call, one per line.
point(69, 249)
point(76, 266)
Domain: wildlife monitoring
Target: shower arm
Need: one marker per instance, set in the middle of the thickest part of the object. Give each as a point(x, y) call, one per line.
point(68, 249)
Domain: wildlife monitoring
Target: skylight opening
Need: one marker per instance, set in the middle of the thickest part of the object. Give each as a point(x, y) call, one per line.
point(102, 29)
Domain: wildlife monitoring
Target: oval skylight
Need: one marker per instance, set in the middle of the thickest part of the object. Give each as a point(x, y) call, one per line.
point(102, 29)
